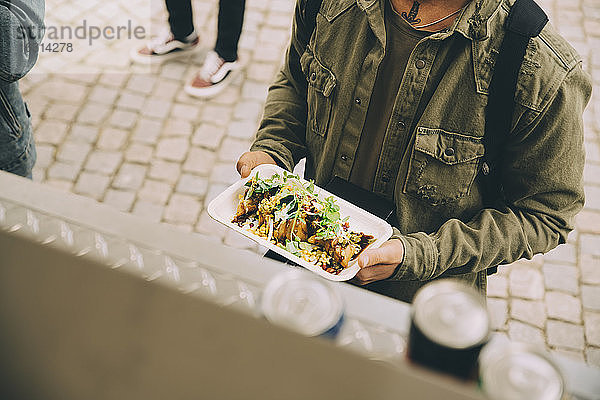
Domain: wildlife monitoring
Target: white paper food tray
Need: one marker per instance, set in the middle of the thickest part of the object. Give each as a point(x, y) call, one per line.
point(224, 206)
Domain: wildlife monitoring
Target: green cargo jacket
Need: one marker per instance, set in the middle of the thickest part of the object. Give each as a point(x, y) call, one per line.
point(431, 162)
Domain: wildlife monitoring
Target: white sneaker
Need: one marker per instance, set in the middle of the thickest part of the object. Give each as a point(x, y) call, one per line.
point(213, 77)
point(165, 47)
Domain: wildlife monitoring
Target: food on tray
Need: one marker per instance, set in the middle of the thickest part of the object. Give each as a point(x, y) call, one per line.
point(289, 213)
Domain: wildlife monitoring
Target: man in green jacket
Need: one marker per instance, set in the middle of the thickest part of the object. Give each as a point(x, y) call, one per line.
point(391, 95)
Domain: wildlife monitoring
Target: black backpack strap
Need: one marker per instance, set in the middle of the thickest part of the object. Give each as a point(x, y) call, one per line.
point(310, 15)
point(525, 20)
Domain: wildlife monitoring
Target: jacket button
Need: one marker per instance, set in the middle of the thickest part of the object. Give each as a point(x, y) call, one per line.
point(420, 64)
point(449, 151)
point(344, 157)
point(357, 100)
point(401, 125)
point(313, 77)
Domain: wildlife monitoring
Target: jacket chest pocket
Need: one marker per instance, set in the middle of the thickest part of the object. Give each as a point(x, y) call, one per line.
point(443, 165)
point(8, 118)
point(321, 82)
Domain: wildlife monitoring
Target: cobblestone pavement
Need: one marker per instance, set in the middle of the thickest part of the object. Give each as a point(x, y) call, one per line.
point(127, 136)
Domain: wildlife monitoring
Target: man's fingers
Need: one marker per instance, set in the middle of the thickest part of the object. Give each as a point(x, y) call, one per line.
point(245, 171)
point(252, 159)
point(391, 252)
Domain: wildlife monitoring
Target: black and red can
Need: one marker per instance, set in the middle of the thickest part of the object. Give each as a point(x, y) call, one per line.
point(449, 326)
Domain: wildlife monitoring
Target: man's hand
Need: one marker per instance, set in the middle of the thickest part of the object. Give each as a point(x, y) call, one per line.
point(379, 264)
point(251, 159)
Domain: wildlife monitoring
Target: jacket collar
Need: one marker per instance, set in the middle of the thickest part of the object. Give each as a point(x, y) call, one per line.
point(473, 22)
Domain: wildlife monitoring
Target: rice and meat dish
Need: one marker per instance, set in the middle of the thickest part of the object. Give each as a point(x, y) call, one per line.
point(289, 213)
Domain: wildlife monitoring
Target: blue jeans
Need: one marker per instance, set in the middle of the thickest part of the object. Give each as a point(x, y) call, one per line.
point(17, 149)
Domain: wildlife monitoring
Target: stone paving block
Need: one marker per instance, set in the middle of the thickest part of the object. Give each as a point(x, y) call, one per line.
point(530, 312)
point(192, 185)
point(164, 171)
point(51, 132)
point(232, 149)
point(564, 334)
point(525, 333)
point(147, 131)
point(166, 90)
point(155, 191)
point(526, 282)
point(113, 79)
point(591, 322)
point(210, 227)
point(208, 136)
point(216, 114)
point(592, 356)
point(147, 210)
point(172, 149)
point(122, 200)
point(141, 83)
point(188, 112)
point(199, 161)
point(590, 297)
point(61, 111)
point(83, 133)
point(248, 111)
point(93, 113)
point(45, 155)
point(274, 36)
point(130, 177)
point(173, 70)
point(156, 108)
point(104, 95)
point(497, 286)
point(72, 152)
point(92, 185)
point(242, 130)
point(183, 209)
point(105, 162)
point(63, 171)
point(590, 269)
point(112, 139)
point(561, 277)
point(60, 184)
point(123, 119)
point(563, 306)
point(564, 253)
point(588, 221)
point(139, 153)
point(230, 95)
point(498, 310)
point(591, 174)
point(131, 101)
point(224, 173)
point(589, 244)
point(255, 91)
point(214, 189)
point(177, 127)
point(592, 149)
point(570, 354)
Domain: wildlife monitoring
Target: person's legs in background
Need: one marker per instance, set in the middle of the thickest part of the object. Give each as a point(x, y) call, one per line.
point(221, 63)
point(180, 39)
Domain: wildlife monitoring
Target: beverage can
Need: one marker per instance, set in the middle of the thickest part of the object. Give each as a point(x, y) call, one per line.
point(518, 371)
point(301, 302)
point(449, 326)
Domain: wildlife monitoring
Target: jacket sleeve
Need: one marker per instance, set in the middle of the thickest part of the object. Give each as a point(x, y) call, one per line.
point(21, 32)
point(542, 169)
point(282, 130)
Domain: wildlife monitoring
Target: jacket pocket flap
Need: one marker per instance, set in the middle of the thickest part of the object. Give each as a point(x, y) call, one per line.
point(447, 147)
point(317, 75)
